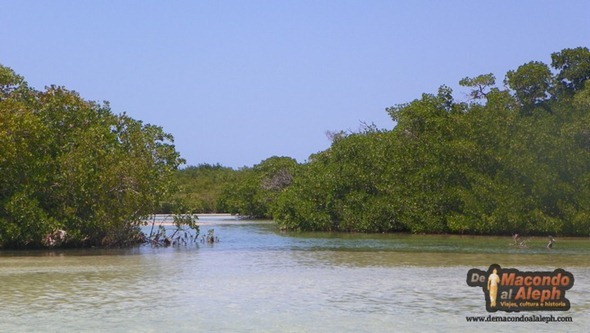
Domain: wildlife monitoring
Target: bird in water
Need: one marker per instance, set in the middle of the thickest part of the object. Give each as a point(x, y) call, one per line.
point(551, 241)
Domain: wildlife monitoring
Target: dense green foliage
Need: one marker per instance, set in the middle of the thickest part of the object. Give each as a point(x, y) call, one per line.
point(514, 159)
point(200, 187)
point(248, 191)
point(72, 172)
point(509, 160)
point(255, 189)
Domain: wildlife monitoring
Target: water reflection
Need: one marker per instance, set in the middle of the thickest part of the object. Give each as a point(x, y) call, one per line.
point(259, 279)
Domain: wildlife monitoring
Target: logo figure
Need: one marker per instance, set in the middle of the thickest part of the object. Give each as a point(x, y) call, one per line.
point(493, 281)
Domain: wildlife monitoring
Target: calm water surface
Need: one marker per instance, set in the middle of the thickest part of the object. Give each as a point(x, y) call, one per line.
point(257, 279)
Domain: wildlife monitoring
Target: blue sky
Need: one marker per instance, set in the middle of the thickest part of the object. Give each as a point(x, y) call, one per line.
point(237, 82)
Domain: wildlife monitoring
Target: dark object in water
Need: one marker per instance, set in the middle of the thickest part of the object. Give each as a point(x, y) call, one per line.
point(210, 238)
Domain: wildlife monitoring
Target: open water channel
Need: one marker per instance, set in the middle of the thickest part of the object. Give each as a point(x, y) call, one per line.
point(258, 279)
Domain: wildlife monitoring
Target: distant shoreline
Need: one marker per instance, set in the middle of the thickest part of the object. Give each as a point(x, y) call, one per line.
point(203, 219)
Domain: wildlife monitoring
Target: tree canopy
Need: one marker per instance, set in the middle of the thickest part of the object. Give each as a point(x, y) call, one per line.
point(513, 159)
point(510, 159)
point(73, 166)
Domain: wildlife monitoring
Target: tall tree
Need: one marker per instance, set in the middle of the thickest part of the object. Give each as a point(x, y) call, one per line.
point(573, 66)
point(531, 83)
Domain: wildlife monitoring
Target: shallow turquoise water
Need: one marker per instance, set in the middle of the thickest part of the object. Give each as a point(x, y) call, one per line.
point(258, 279)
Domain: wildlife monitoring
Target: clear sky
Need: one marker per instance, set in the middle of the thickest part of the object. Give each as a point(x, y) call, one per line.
point(237, 82)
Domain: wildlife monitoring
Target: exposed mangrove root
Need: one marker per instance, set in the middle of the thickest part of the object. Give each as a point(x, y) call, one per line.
point(184, 232)
point(210, 237)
